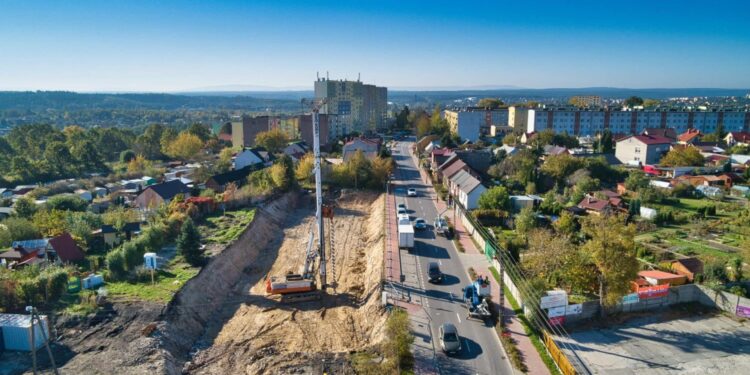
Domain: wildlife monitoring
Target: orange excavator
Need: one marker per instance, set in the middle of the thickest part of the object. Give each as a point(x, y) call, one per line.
point(303, 286)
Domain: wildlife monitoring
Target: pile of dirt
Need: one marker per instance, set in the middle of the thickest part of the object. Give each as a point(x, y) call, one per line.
point(262, 335)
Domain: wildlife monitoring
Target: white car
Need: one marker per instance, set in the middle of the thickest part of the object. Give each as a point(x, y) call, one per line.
point(412, 192)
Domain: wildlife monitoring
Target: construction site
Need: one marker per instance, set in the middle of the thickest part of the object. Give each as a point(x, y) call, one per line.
point(266, 335)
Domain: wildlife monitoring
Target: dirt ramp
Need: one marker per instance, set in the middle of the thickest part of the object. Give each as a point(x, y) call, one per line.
point(266, 337)
point(213, 291)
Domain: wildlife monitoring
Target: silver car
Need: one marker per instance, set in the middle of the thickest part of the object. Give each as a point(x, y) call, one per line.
point(450, 342)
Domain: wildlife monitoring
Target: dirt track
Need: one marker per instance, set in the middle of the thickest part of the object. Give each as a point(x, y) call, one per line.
point(263, 336)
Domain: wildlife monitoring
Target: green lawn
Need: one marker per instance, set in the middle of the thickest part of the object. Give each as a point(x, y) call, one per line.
point(227, 227)
point(167, 282)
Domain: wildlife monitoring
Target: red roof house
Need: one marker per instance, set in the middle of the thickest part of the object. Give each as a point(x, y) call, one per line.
point(66, 248)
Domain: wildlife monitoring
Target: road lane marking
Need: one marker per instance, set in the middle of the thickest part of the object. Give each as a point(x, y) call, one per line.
point(459, 318)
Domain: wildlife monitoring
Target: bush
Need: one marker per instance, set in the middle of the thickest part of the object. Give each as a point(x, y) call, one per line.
point(116, 263)
point(126, 156)
point(66, 203)
point(716, 271)
point(490, 217)
point(28, 291)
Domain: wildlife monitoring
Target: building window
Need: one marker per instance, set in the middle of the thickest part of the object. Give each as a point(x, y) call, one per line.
point(637, 150)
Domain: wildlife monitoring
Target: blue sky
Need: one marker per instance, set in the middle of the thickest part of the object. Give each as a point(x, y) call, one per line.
point(183, 45)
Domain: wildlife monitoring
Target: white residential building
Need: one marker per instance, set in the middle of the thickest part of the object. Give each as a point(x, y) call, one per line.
point(471, 123)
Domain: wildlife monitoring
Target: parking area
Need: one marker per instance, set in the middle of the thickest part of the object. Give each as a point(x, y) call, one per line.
point(664, 344)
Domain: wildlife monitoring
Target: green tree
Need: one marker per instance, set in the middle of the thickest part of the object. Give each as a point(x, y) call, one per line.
point(605, 143)
point(566, 224)
point(683, 157)
point(636, 180)
point(66, 203)
point(561, 166)
point(510, 139)
point(610, 243)
point(495, 198)
point(189, 243)
point(25, 207)
point(490, 103)
point(201, 131)
point(525, 221)
point(126, 156)
point(17, 229)
point(633, 101)
point(273, 140)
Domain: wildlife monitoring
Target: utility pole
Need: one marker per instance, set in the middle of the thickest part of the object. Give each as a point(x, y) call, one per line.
point(33, 342)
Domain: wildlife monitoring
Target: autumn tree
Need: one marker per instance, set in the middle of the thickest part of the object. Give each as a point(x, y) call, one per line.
point(224, 164)
point(423, 126)
point(610, 243)
point(525, 221)
point(139, 164)
point(683, 157)
point(546, 256)
point(273, 140)
point(184, 147)
point(304, 170)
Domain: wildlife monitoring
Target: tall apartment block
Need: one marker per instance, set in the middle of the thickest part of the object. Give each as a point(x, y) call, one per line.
point(358, 107)
point(473, 122)
point(583, 122)
point(245, 128)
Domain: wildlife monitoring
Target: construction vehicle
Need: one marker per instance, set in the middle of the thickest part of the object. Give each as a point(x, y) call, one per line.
point(304, 286)
point(477, 299)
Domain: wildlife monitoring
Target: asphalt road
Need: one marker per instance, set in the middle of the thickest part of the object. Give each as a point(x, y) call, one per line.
point(481, 352)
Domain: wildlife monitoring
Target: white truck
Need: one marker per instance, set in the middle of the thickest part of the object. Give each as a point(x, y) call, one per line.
point(405, 236)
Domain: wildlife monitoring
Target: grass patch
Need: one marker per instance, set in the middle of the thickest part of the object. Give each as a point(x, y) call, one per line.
point(533, 336)
point(223, 229)
point(166, 283)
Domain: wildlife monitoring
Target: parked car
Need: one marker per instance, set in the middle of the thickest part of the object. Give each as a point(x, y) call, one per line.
point(450, 342)
point(434, 273)
point(441, 225)
point(420, 224)
point(412, 192)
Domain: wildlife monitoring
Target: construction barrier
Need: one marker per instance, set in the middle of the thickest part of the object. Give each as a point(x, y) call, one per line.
point(557, 355)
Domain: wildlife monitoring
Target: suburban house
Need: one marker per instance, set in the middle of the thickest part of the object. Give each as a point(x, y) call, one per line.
point(661, 132)
point(527, 137)
point(455, 167)
point(469, 189)
point(740, 191)
point(64, 249)
point(249, 157)
point(426, 141)
point(519, 202)
point(688, 267)
point(551, 150)
point(653, 277)
point(21, 190)
point(110, 236)
point(155, 195)
point(369, 147)
point(737, 138)
point(296, 150)
point(85, 195)
point(712, 192)
point(508, 150)
point(220, 181)
point(137, 184)
point(597, 206)
point(478, 160)
point(19, 256)
point(689, 137)
point(438, 156)
point(641, 149)
point(6, 193)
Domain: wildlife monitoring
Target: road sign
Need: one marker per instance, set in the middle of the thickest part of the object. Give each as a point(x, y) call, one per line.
point(574, 309)
point(554, 300)
point(653, 291)
point(554, 312)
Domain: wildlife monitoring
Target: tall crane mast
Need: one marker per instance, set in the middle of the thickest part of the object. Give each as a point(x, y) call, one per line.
point(319, 194)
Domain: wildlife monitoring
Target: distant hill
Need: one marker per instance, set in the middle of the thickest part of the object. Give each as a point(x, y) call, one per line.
point(71, 101)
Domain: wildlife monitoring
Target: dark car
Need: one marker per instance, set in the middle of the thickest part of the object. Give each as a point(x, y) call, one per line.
point(434, 273)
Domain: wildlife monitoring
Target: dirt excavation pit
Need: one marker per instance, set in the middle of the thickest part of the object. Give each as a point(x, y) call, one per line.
point(263, 336)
